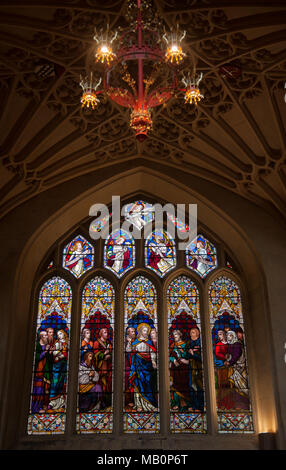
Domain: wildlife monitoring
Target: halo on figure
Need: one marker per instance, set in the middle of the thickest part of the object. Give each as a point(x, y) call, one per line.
point(141, 325)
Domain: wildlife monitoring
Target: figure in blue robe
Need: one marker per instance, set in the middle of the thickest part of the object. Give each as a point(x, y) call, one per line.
point(143, 373)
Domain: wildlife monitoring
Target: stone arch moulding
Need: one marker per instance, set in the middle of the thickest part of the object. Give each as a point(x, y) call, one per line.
point(148, 182)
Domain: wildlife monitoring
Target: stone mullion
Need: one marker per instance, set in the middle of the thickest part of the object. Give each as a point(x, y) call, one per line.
point(208, 366)
point(73, 363)
point(163, 363)
point(118, 362)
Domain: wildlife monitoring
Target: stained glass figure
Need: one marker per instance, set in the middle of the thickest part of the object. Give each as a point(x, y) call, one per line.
point(160, 252)
point(78, 256)
point(201, 256)
point(178, 223)
point(98, 225)
point(229, 351)
point(141, 400)
point(119, 252)
point(139, 213)
point(95, 375)
point(49, 386)
point(187, 397)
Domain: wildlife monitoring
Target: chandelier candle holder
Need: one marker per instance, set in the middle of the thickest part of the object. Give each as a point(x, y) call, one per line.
point(192, 91)
point(174, 50)
point(89, 96)
point(140, 67)
point(104, 52)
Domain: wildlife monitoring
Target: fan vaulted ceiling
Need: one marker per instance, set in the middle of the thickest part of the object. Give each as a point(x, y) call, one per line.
point(235, 137)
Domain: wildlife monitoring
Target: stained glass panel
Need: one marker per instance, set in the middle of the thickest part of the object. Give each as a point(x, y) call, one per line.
point(119, 252)
point(98, 225)
point(95, 375)
point(49, 385)
point(141, 397)
point(187, 397)
point(178, 223)
point(230, 362)
point(201, 256)
point(160, 252)
point(139, 213)
point(78, 256)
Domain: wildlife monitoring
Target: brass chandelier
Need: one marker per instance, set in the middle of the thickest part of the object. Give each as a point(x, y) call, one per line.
point(123, 56)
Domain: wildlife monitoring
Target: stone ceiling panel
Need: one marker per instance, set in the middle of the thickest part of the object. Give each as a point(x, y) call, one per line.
point(234, 137)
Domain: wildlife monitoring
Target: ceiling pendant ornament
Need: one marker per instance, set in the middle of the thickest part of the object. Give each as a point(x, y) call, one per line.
point(140, 67)
point(141, 121)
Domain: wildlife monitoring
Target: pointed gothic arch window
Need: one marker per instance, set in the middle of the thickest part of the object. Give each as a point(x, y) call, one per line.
point(95, 374)
point(138, 298)
point(230, 362)
point(187, 397)
point(141, 397)
point(49, 384)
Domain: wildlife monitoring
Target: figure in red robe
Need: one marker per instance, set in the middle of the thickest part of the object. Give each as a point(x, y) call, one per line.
point(103, 364)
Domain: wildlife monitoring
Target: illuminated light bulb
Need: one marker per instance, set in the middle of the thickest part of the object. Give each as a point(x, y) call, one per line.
point(104, 49)
point(88, 99)
point(104, 54)
point(174, 53)
point(193, 95)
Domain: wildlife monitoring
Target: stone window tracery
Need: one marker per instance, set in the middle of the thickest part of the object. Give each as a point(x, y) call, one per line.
point(171, 309)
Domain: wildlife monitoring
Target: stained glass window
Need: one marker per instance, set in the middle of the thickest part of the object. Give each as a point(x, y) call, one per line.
point(141, 398)
point(187, 398)
point(229, 351)
point(95, 375)
point(201, 256)
point(119, 252)
point(160, 252)
point(49, 384)
point(78, 256)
